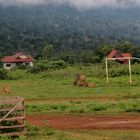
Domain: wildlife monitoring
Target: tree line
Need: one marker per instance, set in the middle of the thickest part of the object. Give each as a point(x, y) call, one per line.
point(88, 56)
point(72, 36)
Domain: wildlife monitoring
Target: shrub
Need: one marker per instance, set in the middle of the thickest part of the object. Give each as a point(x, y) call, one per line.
point(5, 138)
point(57, 64)
point(16, 74)
point(33, 130)
point(43, 66)
point(97, 107)
point(3, 74)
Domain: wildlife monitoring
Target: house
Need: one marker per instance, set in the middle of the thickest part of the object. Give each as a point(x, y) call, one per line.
point(117, 54)
point(18, 59)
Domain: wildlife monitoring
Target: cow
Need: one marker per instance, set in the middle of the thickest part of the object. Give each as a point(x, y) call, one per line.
point(81, 81)
point(5, 90)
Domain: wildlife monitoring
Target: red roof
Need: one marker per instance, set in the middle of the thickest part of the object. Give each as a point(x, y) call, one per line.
point(115, 54)
point(112, 53)
point(18, 57)
point(126, 54)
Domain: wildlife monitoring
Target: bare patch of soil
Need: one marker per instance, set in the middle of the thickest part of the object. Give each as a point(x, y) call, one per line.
point(86, 122)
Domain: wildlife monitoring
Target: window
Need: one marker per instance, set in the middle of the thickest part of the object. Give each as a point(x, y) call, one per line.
point(27, 64)
point(8, 65)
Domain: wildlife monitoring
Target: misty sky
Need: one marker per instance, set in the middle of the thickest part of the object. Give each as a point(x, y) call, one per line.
point(76, 3)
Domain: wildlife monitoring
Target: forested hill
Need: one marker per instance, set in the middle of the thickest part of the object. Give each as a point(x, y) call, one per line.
point(30, 28)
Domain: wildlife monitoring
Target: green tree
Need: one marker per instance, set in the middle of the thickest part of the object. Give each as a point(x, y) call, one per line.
point(89, 56)
point(47, 52)
point(135, 52)
point(125, 46)
point(103, 50)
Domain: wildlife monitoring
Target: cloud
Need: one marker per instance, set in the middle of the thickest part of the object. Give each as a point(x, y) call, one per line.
point(76, 3)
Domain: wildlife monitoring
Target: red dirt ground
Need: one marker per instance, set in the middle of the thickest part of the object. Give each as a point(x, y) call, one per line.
point(86, 122)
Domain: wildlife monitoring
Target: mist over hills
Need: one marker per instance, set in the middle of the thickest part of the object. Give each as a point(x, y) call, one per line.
point(29, 28)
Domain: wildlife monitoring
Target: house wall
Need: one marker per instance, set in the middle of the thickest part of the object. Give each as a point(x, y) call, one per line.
point(28, 64)
point(9, 66)
point(31, 64)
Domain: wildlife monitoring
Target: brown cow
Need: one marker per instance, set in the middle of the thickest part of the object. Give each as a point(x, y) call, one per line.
point(90, 84)
point(5, 90)
point(81, 81)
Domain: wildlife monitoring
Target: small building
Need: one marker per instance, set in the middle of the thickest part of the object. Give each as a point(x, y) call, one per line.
point(117, 54)
point(18, 59)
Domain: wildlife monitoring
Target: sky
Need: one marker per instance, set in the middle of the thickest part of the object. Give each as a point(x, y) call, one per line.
point(76, 3)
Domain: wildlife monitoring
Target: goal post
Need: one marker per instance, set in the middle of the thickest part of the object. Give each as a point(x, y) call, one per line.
point(129, 66)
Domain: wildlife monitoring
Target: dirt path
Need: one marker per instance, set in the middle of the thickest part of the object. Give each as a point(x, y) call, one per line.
point(86, 122)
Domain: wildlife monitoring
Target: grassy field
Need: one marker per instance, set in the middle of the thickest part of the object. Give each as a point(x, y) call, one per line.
point(90, 135)
point(58, 84)
point(80, 135)
point(58, 88)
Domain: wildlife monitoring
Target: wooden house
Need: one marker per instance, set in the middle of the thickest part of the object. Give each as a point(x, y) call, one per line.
point(117, 54)
point(19, 58)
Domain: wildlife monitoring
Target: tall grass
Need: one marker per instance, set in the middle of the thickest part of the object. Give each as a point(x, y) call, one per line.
point(110, 107)
point(95, 70)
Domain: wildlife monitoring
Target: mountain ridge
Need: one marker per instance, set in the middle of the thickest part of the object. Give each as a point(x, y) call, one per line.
point(30, 28)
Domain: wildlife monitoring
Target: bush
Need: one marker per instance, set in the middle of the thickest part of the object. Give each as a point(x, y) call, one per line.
point(43, 66)
point(97, 107)
point(57, 65)
point(3, 74)
point(33, 130)
point(17, 74)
